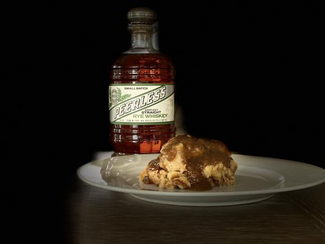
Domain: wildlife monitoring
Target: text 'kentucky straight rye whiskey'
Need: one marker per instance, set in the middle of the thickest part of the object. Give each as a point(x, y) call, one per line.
point(141, 91)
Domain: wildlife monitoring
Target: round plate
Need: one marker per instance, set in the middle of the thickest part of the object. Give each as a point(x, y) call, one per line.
point(258, 178)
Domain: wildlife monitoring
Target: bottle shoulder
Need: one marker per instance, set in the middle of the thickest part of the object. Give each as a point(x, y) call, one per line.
point(155, 61)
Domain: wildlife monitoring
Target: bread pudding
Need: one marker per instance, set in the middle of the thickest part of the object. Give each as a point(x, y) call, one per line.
point(188, 162)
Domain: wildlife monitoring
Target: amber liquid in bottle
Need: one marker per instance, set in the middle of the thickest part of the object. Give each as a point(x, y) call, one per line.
point(141, 65)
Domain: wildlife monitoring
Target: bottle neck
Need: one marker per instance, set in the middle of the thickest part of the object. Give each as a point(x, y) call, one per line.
point(141, 39)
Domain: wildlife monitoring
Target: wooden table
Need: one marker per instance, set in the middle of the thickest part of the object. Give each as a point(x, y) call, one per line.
point(96, 216)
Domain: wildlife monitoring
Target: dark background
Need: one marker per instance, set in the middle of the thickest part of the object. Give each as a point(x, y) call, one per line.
point(248, 73)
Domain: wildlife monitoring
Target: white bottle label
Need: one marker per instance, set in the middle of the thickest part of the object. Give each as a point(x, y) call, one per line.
point(141, 103)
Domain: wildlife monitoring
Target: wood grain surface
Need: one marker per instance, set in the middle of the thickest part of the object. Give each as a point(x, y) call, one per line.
point(96, 215)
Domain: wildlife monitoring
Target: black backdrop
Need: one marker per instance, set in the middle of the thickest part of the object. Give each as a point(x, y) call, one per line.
point(248, 73)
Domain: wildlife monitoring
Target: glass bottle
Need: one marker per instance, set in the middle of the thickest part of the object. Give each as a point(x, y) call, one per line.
point(141, 92)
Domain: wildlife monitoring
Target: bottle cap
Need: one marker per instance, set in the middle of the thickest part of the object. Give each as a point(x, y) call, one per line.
point(142, 16)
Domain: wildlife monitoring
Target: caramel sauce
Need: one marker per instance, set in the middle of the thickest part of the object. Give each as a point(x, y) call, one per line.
point(154, 164)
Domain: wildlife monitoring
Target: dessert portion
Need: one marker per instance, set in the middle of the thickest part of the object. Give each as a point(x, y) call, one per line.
point(192, 163)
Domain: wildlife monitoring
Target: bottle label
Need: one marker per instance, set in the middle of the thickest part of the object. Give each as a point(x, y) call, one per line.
point(141, 103)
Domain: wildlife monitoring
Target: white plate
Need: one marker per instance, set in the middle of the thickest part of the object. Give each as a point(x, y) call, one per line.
point(258, 178)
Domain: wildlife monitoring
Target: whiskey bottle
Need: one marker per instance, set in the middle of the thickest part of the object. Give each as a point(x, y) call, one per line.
point(141, 91)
